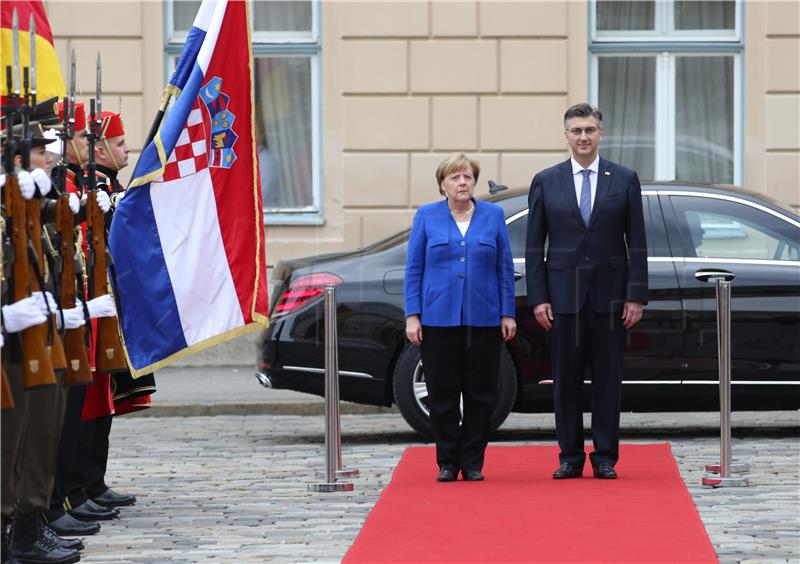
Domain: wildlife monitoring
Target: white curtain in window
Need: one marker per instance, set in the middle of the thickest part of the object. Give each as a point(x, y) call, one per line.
point(627, 100)
point(284, 126)
point(619, 15)
point(705, 14)
point(704, 119)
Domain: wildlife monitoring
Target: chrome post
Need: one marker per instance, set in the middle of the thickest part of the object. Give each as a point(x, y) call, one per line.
point(725, 468)
point(341, 471)
point(332, 437)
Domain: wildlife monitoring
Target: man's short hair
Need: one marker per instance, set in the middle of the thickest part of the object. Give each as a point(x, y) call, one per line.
point(583, 110)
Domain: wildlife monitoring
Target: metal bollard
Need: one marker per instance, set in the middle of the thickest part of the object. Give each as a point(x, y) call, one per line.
point(722, 279)
point(341, 471)
point(332, 430)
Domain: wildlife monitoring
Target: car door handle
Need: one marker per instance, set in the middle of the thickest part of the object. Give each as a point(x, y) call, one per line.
point(709, 274)
point(517, 275)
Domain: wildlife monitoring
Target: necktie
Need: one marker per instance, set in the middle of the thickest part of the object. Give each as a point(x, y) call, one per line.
point(586, 197)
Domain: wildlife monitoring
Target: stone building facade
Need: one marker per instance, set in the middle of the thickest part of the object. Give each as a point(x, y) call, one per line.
point(393, 86)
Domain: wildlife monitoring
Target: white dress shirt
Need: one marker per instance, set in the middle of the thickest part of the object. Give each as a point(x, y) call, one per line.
point(577, 176)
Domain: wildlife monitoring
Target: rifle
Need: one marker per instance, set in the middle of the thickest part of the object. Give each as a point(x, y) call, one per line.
point(33, 207)
point(36, 364)
point(6, 397)
point(78, 370)
point(109, 354)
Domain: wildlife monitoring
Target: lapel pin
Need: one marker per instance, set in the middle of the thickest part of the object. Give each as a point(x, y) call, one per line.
point(608, 173)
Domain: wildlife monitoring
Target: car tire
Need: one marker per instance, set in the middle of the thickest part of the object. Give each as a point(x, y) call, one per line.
point(410, 394)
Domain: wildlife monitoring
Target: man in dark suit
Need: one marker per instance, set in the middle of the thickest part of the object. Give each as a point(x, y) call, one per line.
point(591, 287)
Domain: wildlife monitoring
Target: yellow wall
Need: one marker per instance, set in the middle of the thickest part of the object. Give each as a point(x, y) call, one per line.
point(405, 82)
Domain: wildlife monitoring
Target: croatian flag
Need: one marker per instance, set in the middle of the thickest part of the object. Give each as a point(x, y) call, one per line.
point(188, 237)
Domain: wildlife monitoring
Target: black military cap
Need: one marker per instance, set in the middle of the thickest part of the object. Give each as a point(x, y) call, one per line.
point(46, 113)
point(35, 131)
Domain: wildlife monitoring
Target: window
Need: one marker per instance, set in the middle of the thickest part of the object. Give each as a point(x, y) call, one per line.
point(517, 236)
point(286, 53)
point(723, 229)
point(667, 75)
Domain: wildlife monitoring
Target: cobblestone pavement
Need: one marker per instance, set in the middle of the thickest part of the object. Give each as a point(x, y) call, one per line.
point(234, 488)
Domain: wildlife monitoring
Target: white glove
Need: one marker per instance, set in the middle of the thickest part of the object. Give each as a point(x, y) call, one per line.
point(74, 203)
point(42, 180)
point(26, 184)
point(103, 201)
point(23, 314)
point(102, 306)
point(46, 301)
point(116, 198)
point(73, 318)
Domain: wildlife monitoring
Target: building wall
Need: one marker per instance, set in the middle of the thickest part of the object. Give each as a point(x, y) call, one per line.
point(129, 34)
point(772, 99)
point(405, 82)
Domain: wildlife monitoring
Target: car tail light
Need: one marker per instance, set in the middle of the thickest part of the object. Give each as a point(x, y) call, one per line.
point(302, 291)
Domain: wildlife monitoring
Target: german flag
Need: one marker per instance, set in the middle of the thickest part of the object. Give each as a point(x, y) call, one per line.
point(49, 82)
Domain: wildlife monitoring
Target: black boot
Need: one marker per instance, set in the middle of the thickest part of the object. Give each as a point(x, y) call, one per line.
point(69, 544)
point(29, 545)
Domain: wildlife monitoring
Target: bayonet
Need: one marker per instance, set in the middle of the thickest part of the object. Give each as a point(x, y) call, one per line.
point(99, 102)
point(32, 32)
point(15, 47)
point(71, 132)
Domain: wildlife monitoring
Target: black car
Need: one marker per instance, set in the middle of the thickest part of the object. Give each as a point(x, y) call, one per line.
point(671, 355)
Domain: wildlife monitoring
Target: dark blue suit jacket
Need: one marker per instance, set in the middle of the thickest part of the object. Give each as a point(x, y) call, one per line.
point(453, 280)
point(605, 261)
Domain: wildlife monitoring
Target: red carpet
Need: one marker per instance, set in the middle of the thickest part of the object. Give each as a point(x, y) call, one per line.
point(520, 514)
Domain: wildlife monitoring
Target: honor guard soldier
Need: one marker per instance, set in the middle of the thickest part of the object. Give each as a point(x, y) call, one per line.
point(111, 156)
point(31, 429)
point(71, 512)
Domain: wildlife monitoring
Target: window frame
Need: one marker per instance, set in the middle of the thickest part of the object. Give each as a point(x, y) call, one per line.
point(664, 29)
point(277, 44)
point(666, 47)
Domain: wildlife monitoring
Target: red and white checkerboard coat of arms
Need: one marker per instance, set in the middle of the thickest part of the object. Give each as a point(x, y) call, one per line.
point(210, 119)
point(190, 155)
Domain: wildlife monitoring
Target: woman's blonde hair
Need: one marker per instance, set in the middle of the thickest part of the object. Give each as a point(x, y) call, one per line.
point(454, 163)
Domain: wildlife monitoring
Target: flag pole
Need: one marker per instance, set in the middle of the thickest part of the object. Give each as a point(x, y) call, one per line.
point(165, 98)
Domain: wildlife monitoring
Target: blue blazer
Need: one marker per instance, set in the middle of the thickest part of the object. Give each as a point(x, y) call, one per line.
point(605, 261)
point(453, 280)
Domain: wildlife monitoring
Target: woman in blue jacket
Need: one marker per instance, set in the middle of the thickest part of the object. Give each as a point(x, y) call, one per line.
point(459, 301)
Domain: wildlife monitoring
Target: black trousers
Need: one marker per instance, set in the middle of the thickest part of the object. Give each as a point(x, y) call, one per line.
point(68, 482)
point(461, 362)
point(595, 341)
point(94, 446)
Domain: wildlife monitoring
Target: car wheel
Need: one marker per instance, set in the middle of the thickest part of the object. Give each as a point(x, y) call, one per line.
point(411, 395)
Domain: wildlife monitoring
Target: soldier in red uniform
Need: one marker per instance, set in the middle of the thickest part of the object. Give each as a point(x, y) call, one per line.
point(71, 511)
point(129, 394)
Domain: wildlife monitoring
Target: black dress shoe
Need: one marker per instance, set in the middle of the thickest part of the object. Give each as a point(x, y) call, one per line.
point(446, 475)
point(604, 471)
point(69, 544)
point(472, 475)
point(110, 498)
point(90, 511)
point(568, 470)
point(69, 526)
